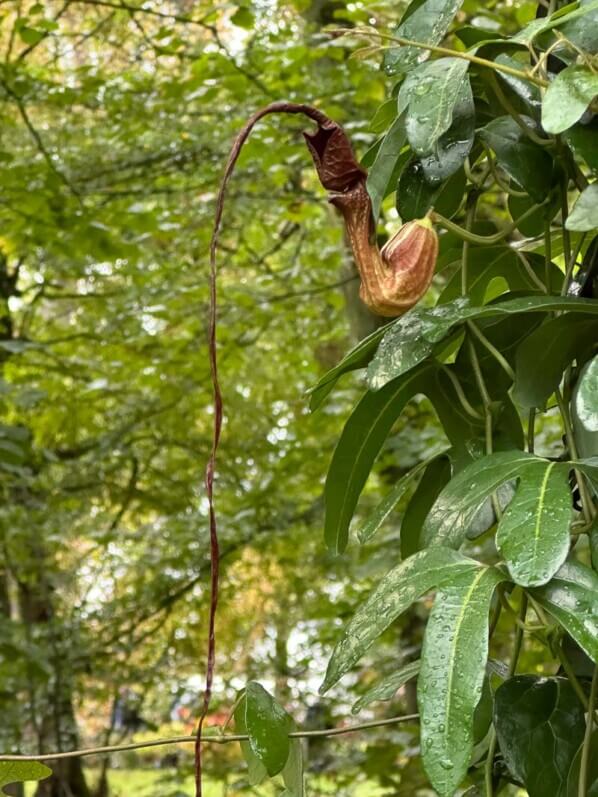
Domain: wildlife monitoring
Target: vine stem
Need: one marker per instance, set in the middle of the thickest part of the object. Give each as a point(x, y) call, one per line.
point(435, 48)
point(220, 738)
point(587, 739)
point(484, 240)
point(275, 107)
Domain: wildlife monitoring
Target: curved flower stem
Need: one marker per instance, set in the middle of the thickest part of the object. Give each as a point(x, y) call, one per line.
point(587, 739)
point(434, 48)
point(484, 240)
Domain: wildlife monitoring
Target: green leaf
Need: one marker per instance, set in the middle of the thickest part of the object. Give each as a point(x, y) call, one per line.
point(415, 194)
point(256, 771)
point(586, 398)
point(386, 688)
point(570, 597)
point(450, 683)
point(528, 94)
point(534, 718)
point(584, 409)
point(429, 95)
point(424, 21)
point(412, 337)
point(584, 216)
point(21, 771)
point(567, 98)
point(583, 140)
point(494, 263)
point(562, 17)
point(545, 354)
point(399, 588)
point(454, 514)
point(436, 476)
point(359, 444)
point(534, 224)
point(389, 502)
point(525, 162)
point(583, 31)
point(533, 533)
point(292, 774)
point(268, 727)
point(357, 358)
point(448, 153)
point(573, 778)
point(380, 174)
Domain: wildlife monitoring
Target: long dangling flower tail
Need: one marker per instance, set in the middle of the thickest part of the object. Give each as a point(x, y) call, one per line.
point(333, 176)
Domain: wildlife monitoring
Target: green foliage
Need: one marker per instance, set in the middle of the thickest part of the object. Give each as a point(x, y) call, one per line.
point(21, 771)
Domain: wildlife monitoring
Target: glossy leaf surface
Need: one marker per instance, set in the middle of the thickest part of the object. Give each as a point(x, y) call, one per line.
point(383, 167)
point(424, 21)
point(359, 444)
point(452, 675)
point(524, 161)
point(539, 724)
point(386, 688)
point(567, 98)
point(584, 216)
point(428, 97)
point(268, 726)
point(389, 502)
point(404, 584)
point(533, 533)
point(454, 513)
point(411, 338)
point(570, 597)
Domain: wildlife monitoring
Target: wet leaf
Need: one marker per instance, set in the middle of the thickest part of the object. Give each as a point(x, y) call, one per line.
point(452, 675)
point(570, 597)
point(533, 533)
point(424, 21)
point(584, 409)
point(411, 338)
point(448, 153)
point(359, 445)
point(454, 514)
point(525, 162)
point(389, 502)
point(380, 174)
point(534, 718)
point(435, 477)
point(386, 688)
point(268, 727)
point(567, 98)
point(584, 215)
point(399, 588)
point(429, 96)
